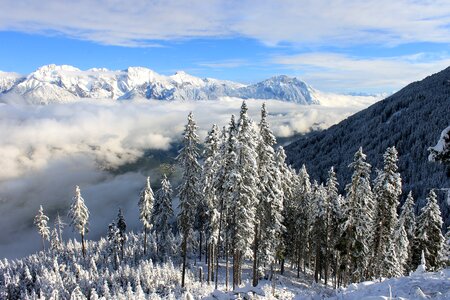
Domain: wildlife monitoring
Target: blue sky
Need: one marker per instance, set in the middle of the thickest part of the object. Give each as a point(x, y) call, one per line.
point(339, 46)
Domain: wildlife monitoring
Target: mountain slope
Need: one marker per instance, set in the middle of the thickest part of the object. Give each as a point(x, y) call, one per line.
point(411, 119)
point(54, 83)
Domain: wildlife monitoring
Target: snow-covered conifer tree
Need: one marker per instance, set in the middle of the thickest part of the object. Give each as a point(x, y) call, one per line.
point(59, 225)
point(268, 222)
point(209, 171)
point(245, 198)
point(356, 227)
point(162, 217)
point(429, 236)
point(122, 228)
point(41, 224)
point(407, 219)
point(441, 152)
point(387, 190)
point(401, 243)
point(146, 201)
point(188, 190)
point(79, 216)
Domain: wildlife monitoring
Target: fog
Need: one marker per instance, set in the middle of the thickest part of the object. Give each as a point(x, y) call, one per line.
point(46, 150)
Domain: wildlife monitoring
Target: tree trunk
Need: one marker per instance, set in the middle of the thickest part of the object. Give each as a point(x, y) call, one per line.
point(200, 248)
point(43, 244)
point(145, 240)
point(184, 250)
point(83, 248)
point(226, 258)
point(255, 257)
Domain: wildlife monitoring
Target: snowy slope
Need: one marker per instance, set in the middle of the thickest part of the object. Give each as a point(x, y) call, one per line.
point(52, 83)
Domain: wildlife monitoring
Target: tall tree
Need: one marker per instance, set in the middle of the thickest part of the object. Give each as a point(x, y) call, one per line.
point(122, 228)
point(245, 179)
point(268, 222)
point(79, 217)
point(59, 225)
point(357, 223)
point(210, 168)
point(162, 216)
point(225, 190)
point(388, 188)
point(40, 220)
point(407, 219)
point(188, 190)
point(146, 202)
point(429, 238)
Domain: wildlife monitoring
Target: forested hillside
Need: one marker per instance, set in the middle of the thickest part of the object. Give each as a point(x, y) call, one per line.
point(411, 120)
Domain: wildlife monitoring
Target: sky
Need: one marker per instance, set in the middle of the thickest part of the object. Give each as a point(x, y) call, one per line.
point(336, 46)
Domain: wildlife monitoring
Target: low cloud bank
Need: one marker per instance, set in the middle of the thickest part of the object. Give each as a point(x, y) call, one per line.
point(46, 150)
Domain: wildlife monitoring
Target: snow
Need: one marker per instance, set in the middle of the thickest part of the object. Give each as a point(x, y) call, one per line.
point(63, 83)
point(417, 286)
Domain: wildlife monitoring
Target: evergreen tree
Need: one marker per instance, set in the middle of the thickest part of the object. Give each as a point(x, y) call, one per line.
point(334, 218)
point(407, 219)
point(114, 240)
point(388, 188)
point(59, 225)
point(268, 222)
point(225, 190)
point(447, 248)
point(122, 228)
point(162, 217)
point(209, 171)
point(429, 238)
point(245, 179)
point(357, 223)
point(41, 223)
point(188, 190)
point(146, 201)
point(79, 216)
point(402, 247)
point(441, 152)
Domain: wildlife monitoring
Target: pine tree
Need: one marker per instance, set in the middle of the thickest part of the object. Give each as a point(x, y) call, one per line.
point(334, 218)
point(401, 247)
point(407, 219)
point(59, 225)
point(114, 240)
point(388, 188)
point(245, 198)
point(146, 201)
point(441, 152)
point(268, 222)
point(356, 227)
point(447, 248)
point(210, 168)
point(162, 216)
point(225, 189)
point(79, 216)
point(122, 228)
point(188, 190)
point(41, 223)
point(55, 243)
point(429, 236)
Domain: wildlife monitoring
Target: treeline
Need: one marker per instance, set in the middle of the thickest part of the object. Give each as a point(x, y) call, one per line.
point(244, 204)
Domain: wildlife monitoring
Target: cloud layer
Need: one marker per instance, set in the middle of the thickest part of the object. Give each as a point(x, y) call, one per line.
point(47, 150)
point(269, 21)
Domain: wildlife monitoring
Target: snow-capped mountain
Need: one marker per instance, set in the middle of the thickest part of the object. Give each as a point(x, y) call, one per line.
point(52, 83)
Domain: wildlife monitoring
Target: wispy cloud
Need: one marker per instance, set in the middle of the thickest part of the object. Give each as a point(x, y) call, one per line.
point(224, 64)
point(341, 72)
point(141, 23)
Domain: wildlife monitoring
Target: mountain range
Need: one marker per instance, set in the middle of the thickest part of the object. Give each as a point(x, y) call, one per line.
point(411, 120)
point(53, 83)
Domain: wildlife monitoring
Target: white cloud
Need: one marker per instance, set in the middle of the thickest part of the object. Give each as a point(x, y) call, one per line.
point(338, 72)
point(46, 150)
point(137, 23)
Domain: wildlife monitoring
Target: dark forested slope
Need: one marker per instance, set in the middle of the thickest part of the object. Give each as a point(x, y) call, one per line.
point(411, 119)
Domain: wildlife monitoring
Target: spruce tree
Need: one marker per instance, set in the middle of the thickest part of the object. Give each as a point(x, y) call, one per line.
point(162, 216)
point(122, 228)
point(188, 190)
point(79, 216)
point(245, 179)
point(429, 238)
point(146, 202)
point(407, 219)
point(388, 188)
point(210, 168)
point(268, 222)
point(357, 223)
point(41, 224)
